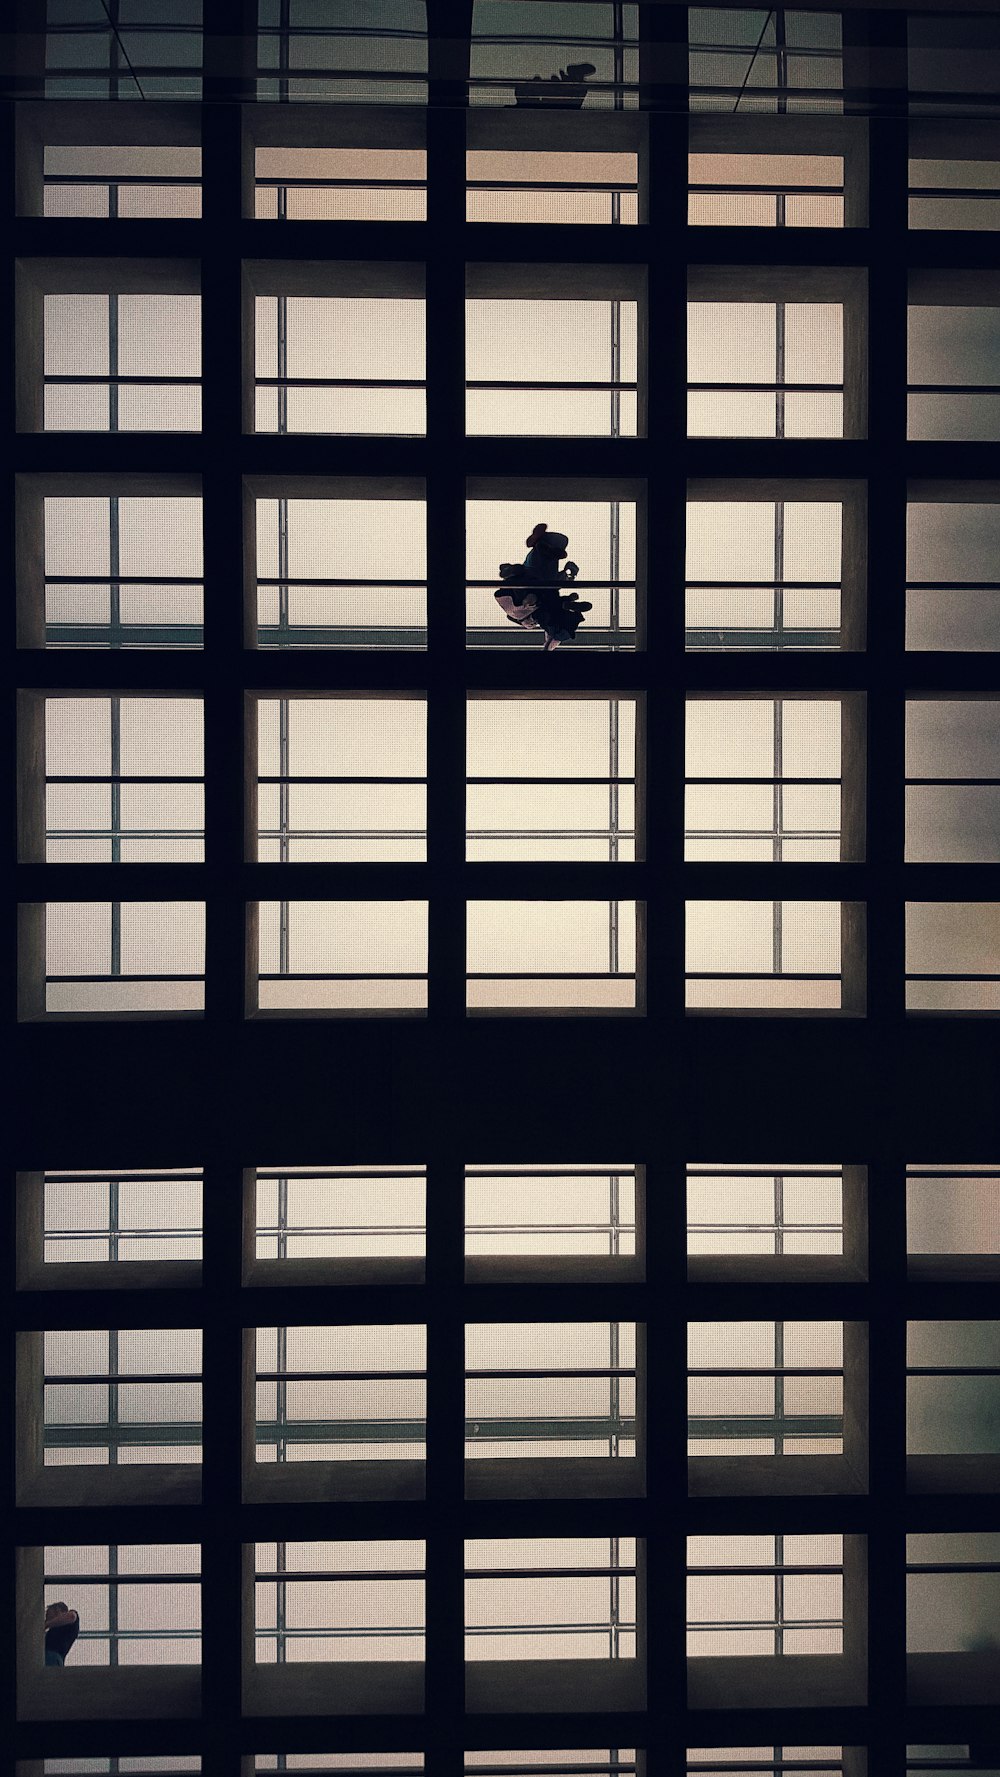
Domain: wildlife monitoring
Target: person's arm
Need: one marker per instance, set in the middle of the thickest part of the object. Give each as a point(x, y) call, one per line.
point(64, 1617)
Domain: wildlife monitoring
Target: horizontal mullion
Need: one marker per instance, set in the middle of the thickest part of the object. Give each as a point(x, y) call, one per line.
point(107, 380)
point(341, 382)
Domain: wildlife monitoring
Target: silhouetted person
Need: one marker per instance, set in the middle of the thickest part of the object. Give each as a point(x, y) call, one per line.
point(530, 595)
point(564, 91)
point(62, 1626)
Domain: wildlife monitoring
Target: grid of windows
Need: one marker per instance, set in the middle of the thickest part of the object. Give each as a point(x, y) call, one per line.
point(729, 384)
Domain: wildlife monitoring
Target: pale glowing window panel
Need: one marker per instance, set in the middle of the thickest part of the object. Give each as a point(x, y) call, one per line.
point(765, 1761)
point(953, 956)
point(142, 181)
point(763, 780)
point(123, 572)
point(763, 575)
point(341, 573)
point(602, 541)
point(122, 363)
point(515, 40)
point(333, 1601)
point(551, 1211)
point(953, 1387)
point(952, 1592)
point(139, 1603)
point(791, 1601)
point(552, 1598)
point(405, 1764)
point(780, 1211)
point(163, 1764)
point(955, 194)
point(741, 60)
point(952, 583)
point(953, 1210)
point(575, 1763)
point(122, 1217)
point(953, 372)
point(341, 184)
point(765, 1388)
point(551, 778)
point(124, 780)
point(342, 956)
point(377, 56)
point(122, 1397)
point(552, 186)
point(766, 190)
point(341, 780)
point(341, 1394)
point(531, 956)
point(952, 781)
point(551, 1389)
point(341, 1212)
point(340, 364)
point(777, 956)
point(950, 1761)
point(552, 368)
point(765, 370)
point(124, 956)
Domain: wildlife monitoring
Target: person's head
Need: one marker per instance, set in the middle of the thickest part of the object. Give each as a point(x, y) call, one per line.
point(55, 1610)
point(549, 542)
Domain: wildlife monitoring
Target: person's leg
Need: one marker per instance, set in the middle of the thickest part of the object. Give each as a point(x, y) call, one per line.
point(52, 1658)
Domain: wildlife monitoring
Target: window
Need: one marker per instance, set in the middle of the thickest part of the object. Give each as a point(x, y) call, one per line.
point(538, 956)
point(551, 1390)
point(601, 538)
point(953, 364)
point(948, 192)
point(319, 184)
point(952, 1218)
point(121, 182)
point(572, 1216)
point(123, 778)
point(766, 1761)
point(556, 1598)
point(341, 956)
point(952, 1387)
point(519, 50)
point(337, 1601)
point(952, 594)
point(341, 572)
point(150, 52)
point(341, 1394)
point(766, 369)
point(377, 56)
point(341, 779)
point(780, 1212)
point(589, 1763)
point(952, 781)
point(122, 1397)
point(770, 956)
point(551, 366)
point(139, 1604)
point(404, 1764)
point(952, 956)
point(771, 1595)
point(121, 570)
point(348, 359)
point(122, 1218)
point(952, 1600)
point(773, 575)
point(765, 1388)
point(133, 958)
point(165, 1765)
point(552, 185)
point(347, 1213)
point(784, 62)
point(766, 190)
point(551, 778)
point(764, 780)
point(121, 360)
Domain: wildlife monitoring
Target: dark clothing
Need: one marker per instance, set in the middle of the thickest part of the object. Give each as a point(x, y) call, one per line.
point(59, 1640)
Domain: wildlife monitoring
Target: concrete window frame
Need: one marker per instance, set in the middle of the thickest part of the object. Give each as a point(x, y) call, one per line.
point(34, 1273)
point(75, 123)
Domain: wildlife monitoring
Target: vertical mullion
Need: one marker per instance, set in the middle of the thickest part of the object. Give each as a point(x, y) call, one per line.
point(223, 1404)
point(661, 1608)
point(449, 37)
